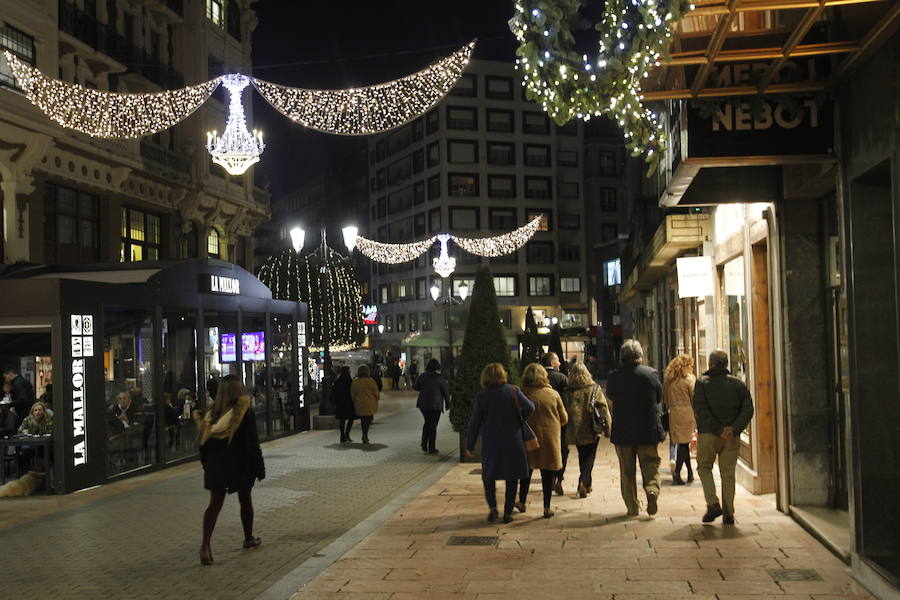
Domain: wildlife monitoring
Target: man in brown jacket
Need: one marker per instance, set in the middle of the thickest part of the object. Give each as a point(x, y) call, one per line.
point(723, 408)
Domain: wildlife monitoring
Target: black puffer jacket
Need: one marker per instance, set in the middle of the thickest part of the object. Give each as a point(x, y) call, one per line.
point(234, 465)
point(434, 393)
point(636, 395)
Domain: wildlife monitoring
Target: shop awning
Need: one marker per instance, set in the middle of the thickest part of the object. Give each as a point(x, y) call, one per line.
point(675, 236)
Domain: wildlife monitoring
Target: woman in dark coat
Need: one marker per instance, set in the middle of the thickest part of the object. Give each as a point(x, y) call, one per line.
point(434, 397)
point(496, 416)
point(231, 457)
point(343, 403)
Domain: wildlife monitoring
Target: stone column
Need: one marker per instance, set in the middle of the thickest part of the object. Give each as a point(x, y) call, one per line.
point(15, 223)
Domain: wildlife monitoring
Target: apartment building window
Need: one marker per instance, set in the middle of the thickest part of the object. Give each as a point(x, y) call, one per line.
point(498, 88)
point(539, 253)
point(213, 247)
point(505, 286)
point(398, 140)
point(421, 288)
point(545, 224)
point(381, 177)
point(569, 253)
point(502, 186)
point(383, 293)
point(403, 290)
point(567, 158)
point(401, 323)
point(382, 207)
point(433, 154)
point(506, 318)
point(21, 45)
point(609, 231)
point(381, 150)
point(500, 219)
point(215, 12)
point(112, 14)
point(501, 153)
point(426, 321)
point(400, 231)
point(608, 200)
point(462, 117)
point(606, 163)
point(459, 282)
point(419, 224)
point(434, 220)
point(535, 122)
point(434, 187)
point(464, 218)
point(462, 184)
point(570, 128)
point(538, 187)
point(400, 200)
point(140, 236)
point(500, 120)
point(71, 226)
point(418, 129)
point(400, 170)
point(432, 121)
point(419, 192)
point(462, 151)
point(570, 285)
point(540, 285)
point(389, 323)
point(413, 322)
point(569, 221)
point(233, 18)
point(506, 259)
point(537, 155)
point(467, 86)
point(568, 189)
point(418, 161)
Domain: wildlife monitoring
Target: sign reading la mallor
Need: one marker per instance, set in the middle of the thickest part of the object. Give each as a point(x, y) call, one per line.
point(82, 347)
point(220, 284)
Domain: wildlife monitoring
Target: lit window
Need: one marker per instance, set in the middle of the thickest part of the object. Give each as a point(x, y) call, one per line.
point(140, 236)
point(545, 219)
point(19, 44)
point(540, 285)
point(212, 243)
point(215, 12)
point(569, 284)
point(505, 285)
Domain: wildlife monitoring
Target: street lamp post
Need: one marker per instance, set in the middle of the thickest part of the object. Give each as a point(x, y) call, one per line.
point(449, 301)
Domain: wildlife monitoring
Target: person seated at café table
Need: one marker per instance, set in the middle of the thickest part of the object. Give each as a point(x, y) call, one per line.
point(38, 421)
point(124, 413)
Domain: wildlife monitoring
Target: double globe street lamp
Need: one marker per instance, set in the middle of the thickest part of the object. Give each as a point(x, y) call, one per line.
point(450, 301)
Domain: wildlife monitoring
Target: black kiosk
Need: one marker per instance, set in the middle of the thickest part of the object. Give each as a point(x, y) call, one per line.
point(133, 348)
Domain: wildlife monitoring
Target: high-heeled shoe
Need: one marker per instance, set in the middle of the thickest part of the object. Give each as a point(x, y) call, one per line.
point(205, 556)
point(252, 542)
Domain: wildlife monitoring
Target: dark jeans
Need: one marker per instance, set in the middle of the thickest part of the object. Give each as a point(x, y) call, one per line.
point(683, 457)
point(586, 455)
point(429, 428)
point(490, 494)
point(565, 454)
point(548, 478)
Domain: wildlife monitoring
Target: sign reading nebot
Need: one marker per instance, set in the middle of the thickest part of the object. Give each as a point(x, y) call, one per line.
point(82, 346)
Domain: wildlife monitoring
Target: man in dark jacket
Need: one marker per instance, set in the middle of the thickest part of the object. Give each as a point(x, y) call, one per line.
point(21, 391)
point(723, 408)
point(636, 395)
point(434, 397)
point(559, 382)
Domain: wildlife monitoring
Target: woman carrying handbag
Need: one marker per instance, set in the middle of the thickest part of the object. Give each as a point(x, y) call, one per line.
point(589, 419)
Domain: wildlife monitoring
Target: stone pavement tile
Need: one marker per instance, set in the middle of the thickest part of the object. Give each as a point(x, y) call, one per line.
point(669, 563)
point(687, 552)
point(432, 574)
point(379, 553)
point(672, 574)
point(741, 596)
point(738, 563)
point(434, 595)
point(646, 587)
point(822, 587)
point(640, 596)
point(304, 595)
point(732, 574)
point(570, 594)
point(489, 574)
point(764, 588)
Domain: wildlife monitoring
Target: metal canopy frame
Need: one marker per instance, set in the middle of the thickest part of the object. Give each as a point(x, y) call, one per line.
point(877, 20)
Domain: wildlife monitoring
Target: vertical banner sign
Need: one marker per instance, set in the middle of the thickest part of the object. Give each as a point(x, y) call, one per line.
point(82, 346)
point(301, 367)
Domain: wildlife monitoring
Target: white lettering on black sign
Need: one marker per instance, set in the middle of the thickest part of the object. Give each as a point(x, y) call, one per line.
point(82, 344)
point(224, 285)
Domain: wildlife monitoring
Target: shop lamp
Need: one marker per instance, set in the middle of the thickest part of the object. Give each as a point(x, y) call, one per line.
point(297, 238)
point(381, 328)
point(435, 292)
point(554, 320)
point(350, 234)
point(546, 321)
point(463, 291)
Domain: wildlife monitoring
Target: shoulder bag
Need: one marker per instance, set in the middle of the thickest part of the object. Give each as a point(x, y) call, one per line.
point(528, 435)
point(598, 417)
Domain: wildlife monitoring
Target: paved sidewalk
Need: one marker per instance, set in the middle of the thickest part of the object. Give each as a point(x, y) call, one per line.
point(139, 538)
point(588, 550)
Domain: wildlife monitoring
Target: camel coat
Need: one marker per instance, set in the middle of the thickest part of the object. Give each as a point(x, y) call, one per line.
point(547, 419)
point(364, 391)
point(678, 395)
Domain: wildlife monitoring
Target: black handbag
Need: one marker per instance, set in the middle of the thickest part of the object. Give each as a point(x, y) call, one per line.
point(598, 417)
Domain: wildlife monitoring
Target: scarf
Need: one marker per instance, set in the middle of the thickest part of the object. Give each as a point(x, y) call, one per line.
point(227, 423)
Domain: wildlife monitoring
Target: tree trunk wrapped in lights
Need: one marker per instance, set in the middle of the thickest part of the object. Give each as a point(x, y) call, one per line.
point(291, 276)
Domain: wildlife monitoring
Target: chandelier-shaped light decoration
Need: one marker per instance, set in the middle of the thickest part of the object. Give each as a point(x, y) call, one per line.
point(444, 264)
point(237, 148)
point(372, 109)
point(107, 114)
point(500, 245)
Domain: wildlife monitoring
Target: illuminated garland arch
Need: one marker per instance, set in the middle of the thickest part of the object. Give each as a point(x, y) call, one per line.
point(634, 37)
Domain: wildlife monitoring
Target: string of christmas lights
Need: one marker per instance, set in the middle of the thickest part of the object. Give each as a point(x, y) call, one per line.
point(107, 114)
point(393, 253)
point(500, 245)
point(372, 109)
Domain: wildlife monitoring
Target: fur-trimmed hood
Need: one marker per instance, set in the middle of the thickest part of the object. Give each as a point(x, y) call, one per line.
point(227, 424)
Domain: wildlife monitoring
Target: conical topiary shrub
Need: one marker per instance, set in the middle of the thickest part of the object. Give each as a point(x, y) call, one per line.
point(531, 342)
point(484, 343)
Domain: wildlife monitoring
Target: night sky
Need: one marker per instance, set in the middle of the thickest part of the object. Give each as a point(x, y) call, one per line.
point(346, 44)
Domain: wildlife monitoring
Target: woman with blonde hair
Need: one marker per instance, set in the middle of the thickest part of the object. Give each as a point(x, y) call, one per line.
point(497, 415)
point(678, 394)
point(583, 398)
point(547, 420)
point(231, 457)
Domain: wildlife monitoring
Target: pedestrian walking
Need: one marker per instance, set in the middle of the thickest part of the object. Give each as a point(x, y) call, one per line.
point(364, 392)
point(636, 396)
point(21, 391)
point(497, 415)
point(343, 403)
point(723, 407)
point(547, 419)
point(231, 457)
point(434, 397)
point(558, 382)
point(678, 393)
point(584, 397)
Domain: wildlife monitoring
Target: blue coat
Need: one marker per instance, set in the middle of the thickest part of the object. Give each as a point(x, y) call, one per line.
point(502, 447)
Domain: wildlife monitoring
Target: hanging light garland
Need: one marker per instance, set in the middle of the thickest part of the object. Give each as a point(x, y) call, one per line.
point(107, 114)
point(634, 38)
point(237, 148)
point(500, 245)
point(393, 254)
point(372, 109)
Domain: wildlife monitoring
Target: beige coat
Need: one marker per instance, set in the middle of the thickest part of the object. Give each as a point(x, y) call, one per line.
point(364, 392)
point(678, 395)
point(547, 420)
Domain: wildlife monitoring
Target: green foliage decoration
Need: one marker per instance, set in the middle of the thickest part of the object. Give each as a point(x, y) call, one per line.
point(634, 37)
point(484, 343)
point(531, 341)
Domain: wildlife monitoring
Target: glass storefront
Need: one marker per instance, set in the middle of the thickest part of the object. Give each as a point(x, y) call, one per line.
point(254, 366)
point(180, 389)
point(281, 362)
